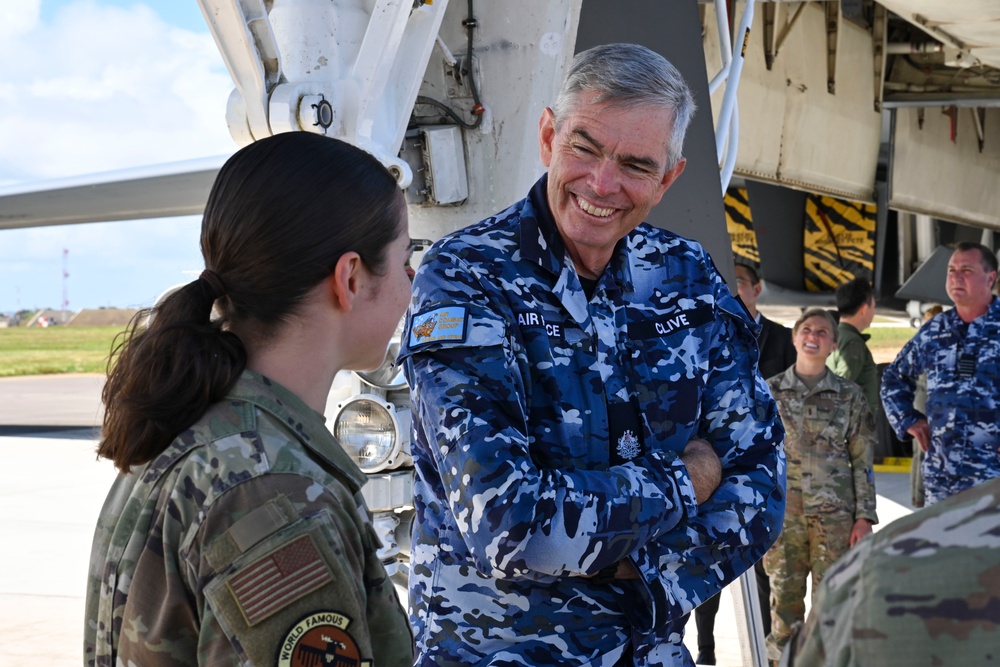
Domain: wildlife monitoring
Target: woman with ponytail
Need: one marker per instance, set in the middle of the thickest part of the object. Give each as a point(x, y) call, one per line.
point(235, 533)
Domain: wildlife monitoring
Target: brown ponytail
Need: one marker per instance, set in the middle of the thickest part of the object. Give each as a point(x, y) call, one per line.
point(281, 213)
point(163, 377)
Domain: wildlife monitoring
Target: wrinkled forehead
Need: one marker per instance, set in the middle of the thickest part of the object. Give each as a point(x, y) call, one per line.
point(967, 259)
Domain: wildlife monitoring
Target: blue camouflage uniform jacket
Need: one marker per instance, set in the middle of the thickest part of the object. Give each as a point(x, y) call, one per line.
point(963, 388)
point(513, 375)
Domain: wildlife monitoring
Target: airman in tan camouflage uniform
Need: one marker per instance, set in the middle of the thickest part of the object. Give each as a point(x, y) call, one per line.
point(236, 533)
point(830, 490)
point(193, 543)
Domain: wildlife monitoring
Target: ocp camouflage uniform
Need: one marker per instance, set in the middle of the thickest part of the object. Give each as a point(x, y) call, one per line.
point(246, 542)
point(962, 363)
point(830, 437)
point(923, 591)
point(521, 489)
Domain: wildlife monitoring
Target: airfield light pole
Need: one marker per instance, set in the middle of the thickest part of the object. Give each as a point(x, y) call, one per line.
point(65, 281)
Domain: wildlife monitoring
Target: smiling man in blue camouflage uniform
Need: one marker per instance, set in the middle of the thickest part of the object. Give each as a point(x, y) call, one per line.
point(595, 453)
point(959, 350)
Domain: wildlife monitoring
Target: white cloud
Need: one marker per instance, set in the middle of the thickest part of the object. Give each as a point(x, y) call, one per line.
point(100, 88)
point(18, 18)
point(104, 88)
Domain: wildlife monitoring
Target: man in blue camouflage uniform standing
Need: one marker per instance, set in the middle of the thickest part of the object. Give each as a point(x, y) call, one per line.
point(595, 453)
point(959, 350)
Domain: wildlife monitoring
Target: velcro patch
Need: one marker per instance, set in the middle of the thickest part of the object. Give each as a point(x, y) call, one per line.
point(320, 639)
point(270, 584)
point(666, 324)
point(442, 324)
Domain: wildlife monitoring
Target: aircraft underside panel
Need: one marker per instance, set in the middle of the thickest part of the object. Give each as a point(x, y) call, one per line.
point(939, 170)
point(793, 131)
point(521, 51)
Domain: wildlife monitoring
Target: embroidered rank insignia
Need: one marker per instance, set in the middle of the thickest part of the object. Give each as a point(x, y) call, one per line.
point(442, 324)
point(280, 578)
point(320, 639)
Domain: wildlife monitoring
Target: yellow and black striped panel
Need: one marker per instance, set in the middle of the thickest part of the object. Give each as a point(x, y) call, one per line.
point(839, 242)
point(739, 222)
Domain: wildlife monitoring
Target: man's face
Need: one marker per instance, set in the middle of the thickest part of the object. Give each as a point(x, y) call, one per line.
point(747, 288)
point(607, 169)
point(969, 284)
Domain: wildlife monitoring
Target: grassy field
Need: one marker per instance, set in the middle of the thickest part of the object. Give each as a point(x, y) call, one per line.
point(85, 349)
point(36, 351)
point(895, 337)
point(886, 342)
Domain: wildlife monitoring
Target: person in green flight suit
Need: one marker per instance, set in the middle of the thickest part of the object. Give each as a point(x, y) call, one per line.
point(852, 359)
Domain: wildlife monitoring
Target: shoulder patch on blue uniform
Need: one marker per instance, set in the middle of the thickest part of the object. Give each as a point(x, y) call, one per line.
point(441, 324)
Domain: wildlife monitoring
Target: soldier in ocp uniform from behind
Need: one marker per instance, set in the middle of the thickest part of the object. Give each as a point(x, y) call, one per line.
point(236, 533)
point(922, 592)
point(830, 436)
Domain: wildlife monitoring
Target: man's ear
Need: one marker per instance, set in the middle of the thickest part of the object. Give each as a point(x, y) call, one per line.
point(344, 283)
point(668, 179)
point(546, 135)
point(757, 289)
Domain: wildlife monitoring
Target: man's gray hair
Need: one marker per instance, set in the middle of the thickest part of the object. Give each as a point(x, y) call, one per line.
point(629, 75)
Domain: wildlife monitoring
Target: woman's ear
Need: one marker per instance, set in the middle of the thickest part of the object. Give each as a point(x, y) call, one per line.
point(344, 283)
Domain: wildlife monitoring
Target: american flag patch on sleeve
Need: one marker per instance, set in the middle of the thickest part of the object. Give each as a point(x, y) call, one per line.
point(278, 579)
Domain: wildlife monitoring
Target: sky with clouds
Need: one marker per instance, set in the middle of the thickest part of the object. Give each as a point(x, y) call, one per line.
point(101, 85)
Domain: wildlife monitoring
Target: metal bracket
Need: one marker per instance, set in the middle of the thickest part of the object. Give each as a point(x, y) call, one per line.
point(880, 21)
point(979, 120)
point(298, 65)
point(770, 43)
point(785, 31)
point(832, 9)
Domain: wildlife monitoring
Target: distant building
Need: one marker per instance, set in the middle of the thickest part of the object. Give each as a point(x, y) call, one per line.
point(48, 317)
point(102, 317)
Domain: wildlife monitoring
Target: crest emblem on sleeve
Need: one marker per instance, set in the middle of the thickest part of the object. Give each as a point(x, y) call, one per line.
point(320, 639)
point(444, 324)
point(628, 446)
point(425, 328)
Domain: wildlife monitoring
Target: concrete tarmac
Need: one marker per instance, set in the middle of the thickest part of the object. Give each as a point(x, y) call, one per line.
point(52, 488)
